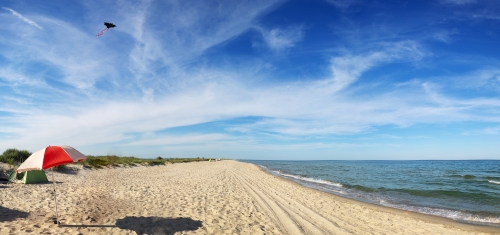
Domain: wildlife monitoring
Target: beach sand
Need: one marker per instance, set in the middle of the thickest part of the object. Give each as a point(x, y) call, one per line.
point(225, 197)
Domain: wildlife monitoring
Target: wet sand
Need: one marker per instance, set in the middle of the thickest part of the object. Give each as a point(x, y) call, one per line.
point(226, 197)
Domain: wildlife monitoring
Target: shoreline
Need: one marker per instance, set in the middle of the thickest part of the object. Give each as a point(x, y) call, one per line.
point(328, 183)
point(225, 197)
point(400, 212)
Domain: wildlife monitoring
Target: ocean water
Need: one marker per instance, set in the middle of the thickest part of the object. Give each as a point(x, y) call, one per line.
point(466, 191)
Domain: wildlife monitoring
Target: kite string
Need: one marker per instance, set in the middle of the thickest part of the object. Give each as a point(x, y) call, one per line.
point(102, 32)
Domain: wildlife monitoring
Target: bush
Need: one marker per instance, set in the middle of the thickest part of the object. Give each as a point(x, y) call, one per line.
point(95, 162)
point(14, 157)
point(156, 162)
point(113, 160)
point(60, 168)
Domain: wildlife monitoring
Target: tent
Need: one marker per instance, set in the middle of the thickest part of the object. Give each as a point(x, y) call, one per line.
point(15, 176)
point(29, 177)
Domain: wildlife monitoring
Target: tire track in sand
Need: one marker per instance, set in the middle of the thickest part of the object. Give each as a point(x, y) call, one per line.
point(278, 216)
point(312, 222)
point(290, 216)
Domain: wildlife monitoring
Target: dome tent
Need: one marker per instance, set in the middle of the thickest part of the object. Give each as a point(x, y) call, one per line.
point(29, 177)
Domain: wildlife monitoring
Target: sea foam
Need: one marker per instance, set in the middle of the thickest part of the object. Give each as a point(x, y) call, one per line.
point(306, 179)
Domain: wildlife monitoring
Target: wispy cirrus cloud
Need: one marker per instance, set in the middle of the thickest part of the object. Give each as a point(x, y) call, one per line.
point(458, 2)
point(164, 41)
point(17, 78)
point(280, 39)
point(444, 35)
point(348, 69)
point(482, 78)
point(18, 15)
point(288, 109)
point(342, 3)
point(190, 139)
point(485, 131)
point(78, 66)
point(486, 78)
point(490, 16)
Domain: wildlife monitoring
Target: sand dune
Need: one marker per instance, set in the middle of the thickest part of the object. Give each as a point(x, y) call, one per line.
point(226, 197)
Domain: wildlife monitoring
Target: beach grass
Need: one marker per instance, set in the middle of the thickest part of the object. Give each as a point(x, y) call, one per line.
point(97, 162)
point(15, 157)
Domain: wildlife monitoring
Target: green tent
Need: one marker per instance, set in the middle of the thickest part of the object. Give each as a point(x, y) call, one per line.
point(29, 177)
point(15, 176)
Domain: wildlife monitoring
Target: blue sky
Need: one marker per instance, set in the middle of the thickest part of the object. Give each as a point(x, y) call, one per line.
point(259, 79)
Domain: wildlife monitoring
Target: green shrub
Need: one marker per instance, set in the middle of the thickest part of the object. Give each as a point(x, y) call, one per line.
point(113, 160)
point(156, 162)
point(60, 168)
point(14, 157)
point(95, 162)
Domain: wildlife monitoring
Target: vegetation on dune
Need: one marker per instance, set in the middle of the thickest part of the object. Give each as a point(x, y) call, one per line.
point(15, 157)
point(112, 160)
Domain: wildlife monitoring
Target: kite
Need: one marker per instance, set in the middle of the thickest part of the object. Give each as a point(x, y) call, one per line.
point(108, 26)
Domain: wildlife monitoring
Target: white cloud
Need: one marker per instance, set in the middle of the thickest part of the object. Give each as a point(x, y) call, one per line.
point(18, 15)
point(486, 16)
point(297, 111)
point(280, 39)
point(293, 109)
point(458, 2)
point(487, 79)
point(180, 140)
point(65, 52)
point(342, 3)
point(346, 70)
point(251, 147)
point(318, 107)
point(14, 77)
point(444, 35)
point(166, 40)
point(388, 136)
point(485, 131)
point(481, 78)
point(16, 100)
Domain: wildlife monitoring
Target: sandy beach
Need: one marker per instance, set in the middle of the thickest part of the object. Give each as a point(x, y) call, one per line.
point(225, 197)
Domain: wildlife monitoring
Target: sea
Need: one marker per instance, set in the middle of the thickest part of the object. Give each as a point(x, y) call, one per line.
point(465, 191)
